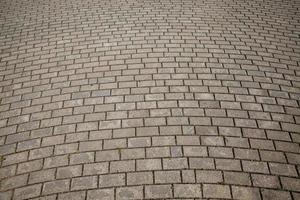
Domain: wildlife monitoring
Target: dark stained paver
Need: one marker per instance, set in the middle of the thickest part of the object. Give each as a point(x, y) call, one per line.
point(149, 99)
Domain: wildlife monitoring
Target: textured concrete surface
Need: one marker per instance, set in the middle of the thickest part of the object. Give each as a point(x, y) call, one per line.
point(149, 99)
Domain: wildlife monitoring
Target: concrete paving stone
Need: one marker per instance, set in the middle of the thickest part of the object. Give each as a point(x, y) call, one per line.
point(61, 149)
point(209, 176)
point(27, 192)
point(108, 155)
point(267, 181)
point(148, 164)
point(69, 171)
point(187, 190)
point(291, 184)
point(163, 140)
point(237, 178)
point(255, 166)
point(15, 158)
point(239, 192)
point(220, 152)
point(110, 180)
point(133, 153)
point(106, 194)
point(8, 171)
point(228, 164)
point(275, 194)
point(72, 195)
point(158, 152)
point(167, 177)
point(135, 192)
point(84, 183)
point(175, 163)
point(14, 182)
point(114, 144)
point(201, 163)
point(30, 166)
point(122, 166)
point(80, 158)
point(139, 178)
point(149, 100)
point(56, 186)
point(216, 191)
point(158, 191)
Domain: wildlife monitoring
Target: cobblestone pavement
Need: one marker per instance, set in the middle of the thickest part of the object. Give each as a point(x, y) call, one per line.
point(149, 99)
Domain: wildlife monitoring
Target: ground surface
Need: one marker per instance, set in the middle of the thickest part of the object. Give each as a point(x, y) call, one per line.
point(152, 99)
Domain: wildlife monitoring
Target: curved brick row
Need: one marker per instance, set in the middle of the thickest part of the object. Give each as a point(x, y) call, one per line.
point(144, 99)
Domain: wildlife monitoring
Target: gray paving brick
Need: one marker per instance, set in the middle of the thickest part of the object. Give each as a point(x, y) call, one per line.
point(122, 166)
point(158, 191)
point(41, 176)
point(163, 140)
point(135, 192)
point(55, 161)
point(107, 155)
point(201, 163)
point(69, 171)
point(220, 152)
point(237, 178)
point(87, 182)
point(30, 166)
point(111, 180)
point(90, 145)
point(14, 182)
point(95, 168)
point(216, 191)
point(28, 192)
point(106, 194)
point(149, 164)
point(139, 178)
point(228, 164)
point(245, 193)
point(8, 171)
point(15, 158)
point(268, 181)
point(72, 195)
point(195, 151)
point(80, 158)
point(175, 163)
point(56, 186)
point(167, 177)
point(275, 194)
point(114, 144)
point(291, 184)
point(255, 166)
point(207, 176)
point(187, 190)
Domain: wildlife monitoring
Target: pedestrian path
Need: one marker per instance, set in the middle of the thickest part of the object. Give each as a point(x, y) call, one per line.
point(149, 99)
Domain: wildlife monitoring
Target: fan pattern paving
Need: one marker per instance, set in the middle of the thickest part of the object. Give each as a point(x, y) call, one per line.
point(149, 99)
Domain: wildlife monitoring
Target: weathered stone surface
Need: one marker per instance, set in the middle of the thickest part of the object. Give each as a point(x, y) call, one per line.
point(112, 100)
